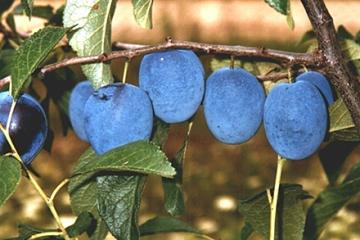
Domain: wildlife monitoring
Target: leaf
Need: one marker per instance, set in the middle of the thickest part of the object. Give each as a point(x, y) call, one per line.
point(6, 56)
point(290, 217)
point(83, 222)
point(351, 49)
point(289, 17)
point(217, 63)
point(160, 132)
point(119, 199)
point(31, 54)
point(5, 5)
point(10, 176)
point(343, 33)
point(173, 194)
point(306, 37)
point(45, 12)
point(93, 18)
point(28, 7)
point(83, 199)
point(141, 156)
point(279, 5)
point(342, 126)
point(143, 12)
point(165, 225)
point(329, 202)
point(333, 156)
point(246, 231)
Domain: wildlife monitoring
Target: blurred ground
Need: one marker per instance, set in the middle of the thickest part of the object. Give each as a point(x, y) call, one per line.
point(216, 175)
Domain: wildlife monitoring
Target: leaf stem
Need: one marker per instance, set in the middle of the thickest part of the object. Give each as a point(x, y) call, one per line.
point(35, 184)
point(126, 67)
point(45, 234)
point(57, 189)
point(273, 206)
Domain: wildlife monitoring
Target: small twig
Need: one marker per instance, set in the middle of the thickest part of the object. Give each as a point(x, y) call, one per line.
point(57, 189)
point(45, 234)
point(282, 57)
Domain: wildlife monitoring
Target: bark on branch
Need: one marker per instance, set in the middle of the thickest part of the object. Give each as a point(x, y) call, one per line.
point(130, 51)
point(336, 68)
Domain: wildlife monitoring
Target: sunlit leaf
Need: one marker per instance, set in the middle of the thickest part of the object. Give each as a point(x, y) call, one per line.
point(10, 176)
point(143, 12)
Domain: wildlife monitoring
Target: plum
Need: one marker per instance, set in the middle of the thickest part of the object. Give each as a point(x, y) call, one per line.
point(295, 119)
point(79, 95)
point(233, 105)
point(117, 114)
point(319, 81)
point(28, 127)
point(174, 80)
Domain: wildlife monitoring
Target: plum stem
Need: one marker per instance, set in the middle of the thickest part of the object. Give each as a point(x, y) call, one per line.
point(45, 234)
point(126, 67)
point(274, 200)
point(35, 184)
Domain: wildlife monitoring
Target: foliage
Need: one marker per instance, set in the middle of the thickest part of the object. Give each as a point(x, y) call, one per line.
point(106, 190)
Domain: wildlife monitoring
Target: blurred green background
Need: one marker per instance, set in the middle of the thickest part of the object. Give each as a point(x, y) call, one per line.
point(216, 175)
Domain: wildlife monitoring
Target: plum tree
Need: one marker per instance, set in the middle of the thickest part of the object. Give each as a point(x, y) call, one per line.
point(295, 119)
point(79, 95)
point(28, 126)
point(320, 82)
point(174, 80)
point(117, 114)
point(228, 95)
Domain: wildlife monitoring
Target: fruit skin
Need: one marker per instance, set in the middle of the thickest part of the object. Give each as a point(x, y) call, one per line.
point(28, 127)
point(174, 80)
point(233, 105)
point(295, 119)
point(319, 81)
point(79, 95)
point(117, 114)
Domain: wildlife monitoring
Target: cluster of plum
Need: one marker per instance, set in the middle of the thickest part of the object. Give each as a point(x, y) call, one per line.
point(172, 87)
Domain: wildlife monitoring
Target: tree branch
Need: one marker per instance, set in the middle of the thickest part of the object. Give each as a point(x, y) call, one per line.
point(281, 57)
point(335, 64)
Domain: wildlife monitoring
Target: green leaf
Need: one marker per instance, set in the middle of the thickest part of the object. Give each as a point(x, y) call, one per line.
point(10, 176)
point(173, 194)
point(343, 33)
point(82, 224)
point(165, 225)
point(217, 63)
point(290, 217)
point(28, 7)
point(45, 12)
point(143, 12)
point(83, 199)
point(31, 54)
point(289, 17)
point(329, 202)
point(342, 126)
point(26, 231)
point(279, 5)
point(306, 37)
point(141, 156)
point(119, 199)
point(351, 49)
point(6, 57)
point(340, 117)
point(333, 156)
point(246, 231)
point(160, 133)
point(93, 18)
point(5, 5)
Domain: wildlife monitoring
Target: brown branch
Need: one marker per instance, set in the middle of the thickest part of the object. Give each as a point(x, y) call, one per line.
point(337, 70)
point(282, 57)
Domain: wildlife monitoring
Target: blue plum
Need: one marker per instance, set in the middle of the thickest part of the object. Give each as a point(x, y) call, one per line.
point(295, 119)
point(28, 127)
point(117, 114)
point(174, 80)
point(319, 81)
point(79, 95)
point(233, 105)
